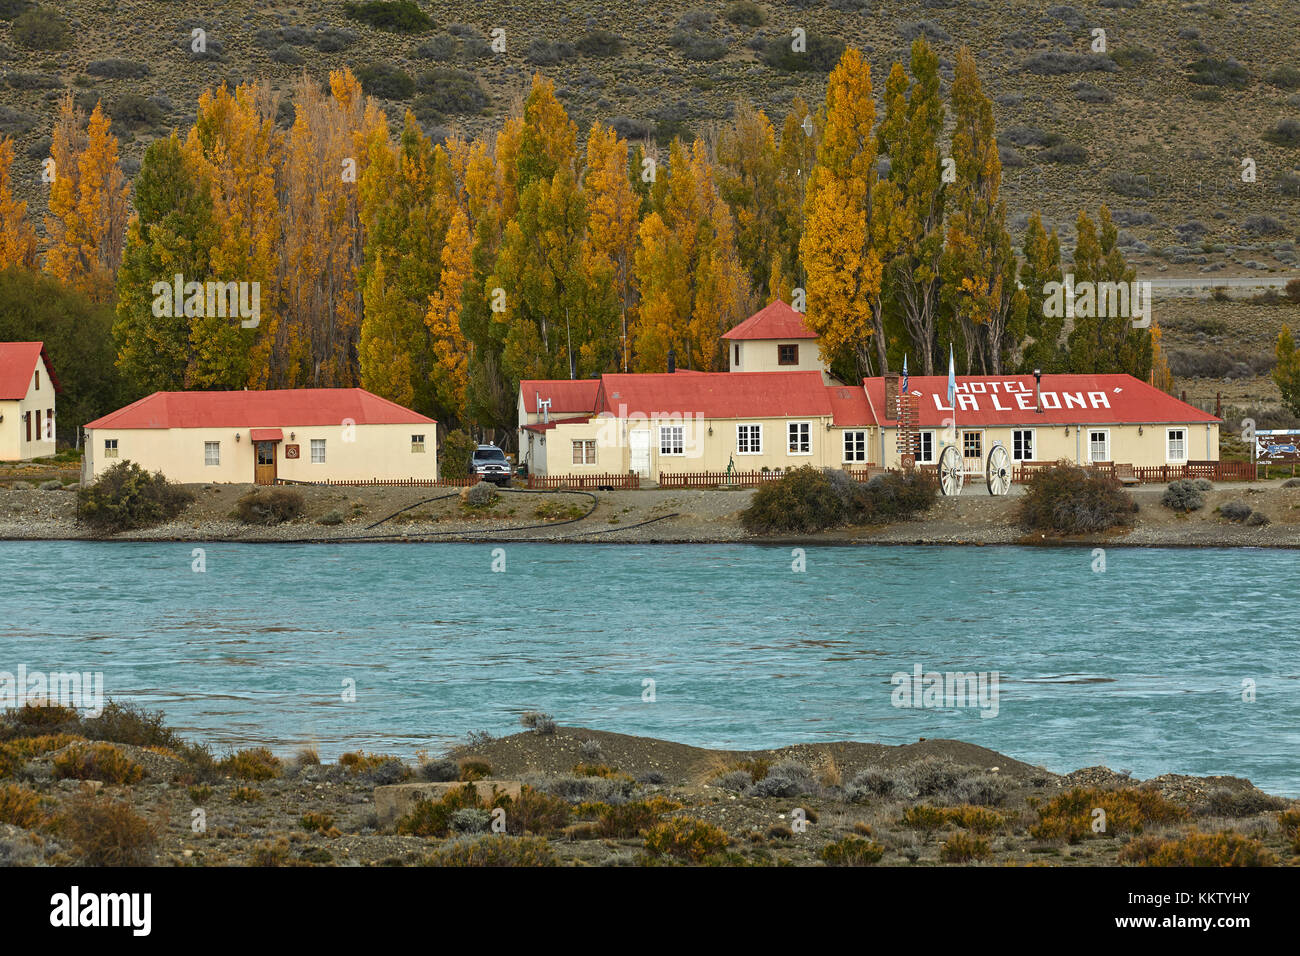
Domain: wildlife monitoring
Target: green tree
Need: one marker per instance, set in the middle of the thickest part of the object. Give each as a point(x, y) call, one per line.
point(1287, 372)
point(1101, 343)
point(1043, 348)
point(172, 232)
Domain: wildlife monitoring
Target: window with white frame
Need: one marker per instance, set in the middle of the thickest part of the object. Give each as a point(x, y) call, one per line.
point(1099, 445)
point(584, 451)
point(672, 440)
point(972, 444)
point(749, 439)
point(855, 446)
point(318, 451)
point(212, 453)
point(925, 448)
point(110, 447)
point(800, 435)
point(1022, 444)
point(417, 444)
point(1176, 444)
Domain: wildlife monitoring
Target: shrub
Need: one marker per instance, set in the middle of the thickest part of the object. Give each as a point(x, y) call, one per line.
point(549, 52)
point(1070, 816)
point(851, 851)
point(440, 771)
point(430, 818)
point(332, 40)
point(1293, 291)
point(446, 91)
point(924, 817)
point(809, 499)
point(962, 848)
point(399, 16)
point(42, 29)
point(923, 28)
point(97, 762)
point(453, 458)
point(535, 720)
point(126, 497)
point(107, 832)
point(1135, 185)
point(15, 753)
point(535, 812)
point(257, 763)
point(287, 55)
point(496, 850)
point(385, 81)
point(20, 807)
point(1284, 133)
point(1054, 62)
point(745, 13)
point(601, 43)
point(474, 768)
point(1211, 72)
point(631, 819)
point(685, 838)
point(441, 48)
point(269, 507)
point(317, 822)
point(331, 517)
point(200, 793)
point(787, 779)
point(11, 8)
point(245, 795)
point(480, 495)
point(821, 55)
point(1227, 802)
point(1235, 510)
point(118, 69)
point(1198, 849)
point(1069, 153)
point(470, 820)
point(1183, 496)
point(133, 111)
point(1066, 499)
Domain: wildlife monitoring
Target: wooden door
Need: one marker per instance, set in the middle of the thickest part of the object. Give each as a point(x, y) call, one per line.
point(264, 471)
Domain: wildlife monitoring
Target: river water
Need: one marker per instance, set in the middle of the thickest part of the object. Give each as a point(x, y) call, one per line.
point(1168, 660)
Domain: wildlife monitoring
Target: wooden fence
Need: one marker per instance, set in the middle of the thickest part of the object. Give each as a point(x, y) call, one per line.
point(628, 482)
point(742, 479)
point(389, 482)
point(1153, 474)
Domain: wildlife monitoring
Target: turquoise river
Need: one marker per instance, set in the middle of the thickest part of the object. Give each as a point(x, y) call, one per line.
point(1168, 660)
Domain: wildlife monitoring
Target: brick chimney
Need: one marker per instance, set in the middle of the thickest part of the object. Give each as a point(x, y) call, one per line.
point(891, 395)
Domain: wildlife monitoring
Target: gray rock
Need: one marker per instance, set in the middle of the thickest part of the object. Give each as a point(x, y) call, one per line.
point(52, 485)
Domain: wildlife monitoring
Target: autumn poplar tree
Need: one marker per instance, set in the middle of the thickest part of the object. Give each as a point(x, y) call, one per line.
point(609, 248)
point(89, 203)
point(1042, 345)
point(17, 237)
point(749, 179)
point(1100, 342)
point(843, 266)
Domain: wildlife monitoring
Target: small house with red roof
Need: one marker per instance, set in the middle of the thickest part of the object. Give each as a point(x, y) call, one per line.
point(293, 434)
point(774, 339)
point(28, 390)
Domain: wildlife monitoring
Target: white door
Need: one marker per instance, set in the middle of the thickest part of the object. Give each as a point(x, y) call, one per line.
point(638, 442)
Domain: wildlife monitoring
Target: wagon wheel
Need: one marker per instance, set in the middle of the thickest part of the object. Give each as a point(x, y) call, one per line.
point(998, 471)
point(951, 475)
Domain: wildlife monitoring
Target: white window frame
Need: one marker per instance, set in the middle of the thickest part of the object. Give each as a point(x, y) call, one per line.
point(417, 444)
point(973, 431)
point(921, 457)
point(586, 444)
point(1098, 431)
point(317, 443)
point(1187, 437)
point(1033, 443)
point(110, 447)
point(212, 454)
point(792, 432)
point(756, 441)
point(862, 440)
point(674, 449)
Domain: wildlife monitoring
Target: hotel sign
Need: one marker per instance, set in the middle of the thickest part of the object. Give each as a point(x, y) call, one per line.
point(1010, 396)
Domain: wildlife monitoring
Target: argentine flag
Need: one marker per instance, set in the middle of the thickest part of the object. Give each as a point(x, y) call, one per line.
point(952, 378)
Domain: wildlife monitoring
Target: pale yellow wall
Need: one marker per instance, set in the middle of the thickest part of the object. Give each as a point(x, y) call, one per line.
point(1051, 443)
point(703, 451)
point(761, 355)
point(14, 445)
point(351, 454)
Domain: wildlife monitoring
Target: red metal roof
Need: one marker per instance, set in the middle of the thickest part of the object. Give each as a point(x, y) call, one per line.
point(849, 405)
point(566, 395)
point(286, 407)
point(17, 363)
point(715, 394)
point(992, 400)
point(776, 321)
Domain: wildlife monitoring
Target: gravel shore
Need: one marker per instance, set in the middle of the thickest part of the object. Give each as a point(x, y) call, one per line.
point(649, 516)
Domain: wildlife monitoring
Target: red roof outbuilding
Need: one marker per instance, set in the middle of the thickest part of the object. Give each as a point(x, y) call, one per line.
point(776, 321)
point(269, 408)
point(17, 363)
